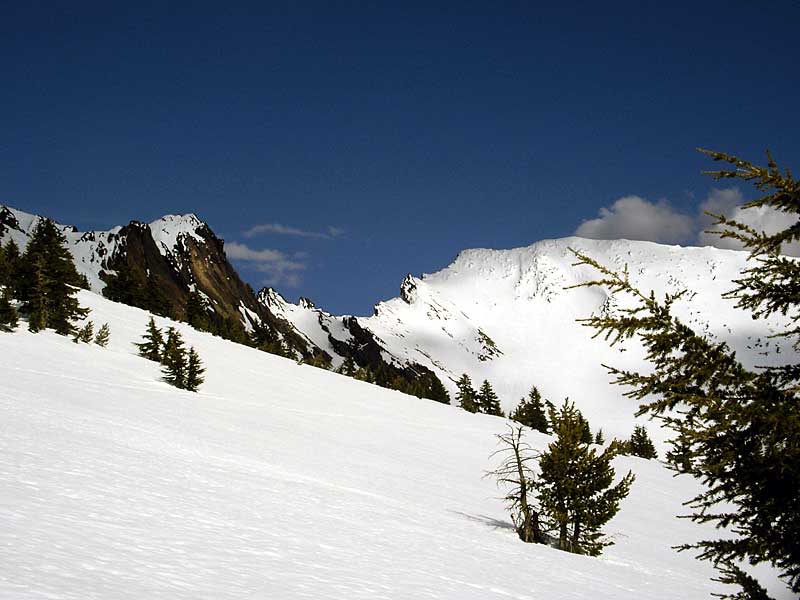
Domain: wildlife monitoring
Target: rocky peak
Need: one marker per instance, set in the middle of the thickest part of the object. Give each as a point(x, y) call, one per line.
point(408, 289)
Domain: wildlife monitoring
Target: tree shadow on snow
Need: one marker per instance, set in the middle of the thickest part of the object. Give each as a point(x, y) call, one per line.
point(491, 522)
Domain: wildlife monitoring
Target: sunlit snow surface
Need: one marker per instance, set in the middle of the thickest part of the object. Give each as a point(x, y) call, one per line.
point(509, 316)
point(278, 481)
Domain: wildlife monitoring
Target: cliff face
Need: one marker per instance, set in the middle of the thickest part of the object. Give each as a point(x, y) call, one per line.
point(157, 265)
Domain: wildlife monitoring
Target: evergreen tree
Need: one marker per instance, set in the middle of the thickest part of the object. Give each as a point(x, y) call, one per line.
point(194, 371)
point(10, 268)
point(735, 427)
point(640, 444)
point(84, 334)
point(151, 348)
point(574, 489)
point(466, 395)
point(196, 311)
point(348, 367)
point(586, 431)
point(364, 374)
point(157, 301)
point(515, 474)
point(103, 335)
point(8, 314)
point(35, 294)
point(173, 359)
point(5, 276)
point(435, 390)
point(47, 279)
point(266, 338)
point(487, 400)
point(530, 412)
point(599, 439)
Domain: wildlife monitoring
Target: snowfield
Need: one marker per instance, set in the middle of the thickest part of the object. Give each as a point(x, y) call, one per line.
point(279, 481)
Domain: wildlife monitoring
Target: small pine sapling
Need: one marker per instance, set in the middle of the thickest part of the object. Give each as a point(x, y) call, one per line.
point(640, 444)
point(194, 371)
point(530, 412)
point(487, 400)
point(152, 346)
point(467, 396)
point(173, 359)
point(103, 335)
point(84, 334)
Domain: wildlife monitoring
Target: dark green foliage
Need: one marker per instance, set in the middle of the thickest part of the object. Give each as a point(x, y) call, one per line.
point(134, 290)
point(735, 428)
point(267, 339)
point(35, 292)
point(466, 395)
point(487, 400)
point(194, 371)
point(348, 367)
point(84, 334)
point(434, 389)
point(599, 439)
point(173, 359)
point(515, 474)
point(103, 336)
point(364, 374)
point(9, 264)
point(151, 347)
point(574, 489)
point(46, 281)
point(5, 276)
point(530, 412)
point(196, 311)
point(8, 314)
point(640, 444)
point(586, 432)
point(233, 330)
point(319, 360)
point(427, 385)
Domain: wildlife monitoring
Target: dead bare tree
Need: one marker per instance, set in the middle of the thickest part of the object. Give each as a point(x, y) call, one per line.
point(517, 477)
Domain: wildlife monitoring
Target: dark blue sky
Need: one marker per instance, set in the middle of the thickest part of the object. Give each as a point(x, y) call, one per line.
point(417, 131)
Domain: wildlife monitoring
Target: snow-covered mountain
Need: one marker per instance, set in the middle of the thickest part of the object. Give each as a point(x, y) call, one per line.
point(502, 315)
point(507, 316)
point(156, 265)
point(280, 480)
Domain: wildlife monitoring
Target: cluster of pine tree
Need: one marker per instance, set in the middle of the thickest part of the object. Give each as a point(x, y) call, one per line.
point(142, 292)
point(639, 444)
point(86, 335)
point(532, 412)
point(483, 401)
point(427, 385)
point(574, 495)
point(180, 367)
point(43, 280)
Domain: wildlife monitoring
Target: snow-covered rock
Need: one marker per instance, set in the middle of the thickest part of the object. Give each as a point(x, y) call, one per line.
point(509, 316)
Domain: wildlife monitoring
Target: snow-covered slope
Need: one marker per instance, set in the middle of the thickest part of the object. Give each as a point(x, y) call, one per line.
point(506, 316)
point(278, 481)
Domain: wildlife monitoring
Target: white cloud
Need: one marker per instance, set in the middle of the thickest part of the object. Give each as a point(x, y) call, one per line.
point(634, 218)
point(277, 228)
point(727, 202)
point(278, 267)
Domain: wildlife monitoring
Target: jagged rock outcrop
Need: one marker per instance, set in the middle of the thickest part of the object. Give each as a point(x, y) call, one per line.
point(156, 266)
